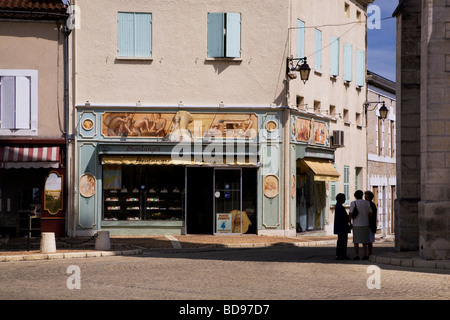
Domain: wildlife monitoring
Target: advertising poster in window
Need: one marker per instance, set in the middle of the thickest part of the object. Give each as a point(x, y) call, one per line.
point(223, 222)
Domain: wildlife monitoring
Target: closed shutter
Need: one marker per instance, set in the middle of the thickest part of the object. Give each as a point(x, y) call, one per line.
point(22, 103)
point(233, 35)
point(300, 39)
point(143, 34)
point(334, 56)
point(348, 62)
point(333, 192)
point(8, 103)
point(346, 183)
point(318, 51)
point(360, 68)
point(125, 34)
point(216, 27)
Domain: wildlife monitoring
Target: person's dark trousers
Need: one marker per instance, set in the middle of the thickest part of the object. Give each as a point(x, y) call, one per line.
point(341, 246)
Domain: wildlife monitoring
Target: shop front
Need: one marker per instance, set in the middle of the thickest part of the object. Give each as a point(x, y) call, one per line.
point(32, 191)
point(183, 172)
point(312, 173)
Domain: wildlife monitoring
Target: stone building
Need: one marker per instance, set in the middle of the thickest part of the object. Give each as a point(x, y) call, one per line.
point(381, 148)
point(423, 135)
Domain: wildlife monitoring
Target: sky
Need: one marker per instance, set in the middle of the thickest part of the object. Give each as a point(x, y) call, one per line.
point(381, 39)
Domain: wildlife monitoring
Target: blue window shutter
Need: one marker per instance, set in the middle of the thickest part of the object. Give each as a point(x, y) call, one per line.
point(360, 68)
point(143, 34)
point(216, 35)
point(125, 34)
point(333, 192)
point(233, 35)
point(347, 183)
point(8, 102)
point(300, 39)
point(334, 56)
point(318, 51)
point(348, 62)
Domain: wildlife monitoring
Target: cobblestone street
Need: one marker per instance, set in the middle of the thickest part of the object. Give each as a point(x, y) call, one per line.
point(274, 273)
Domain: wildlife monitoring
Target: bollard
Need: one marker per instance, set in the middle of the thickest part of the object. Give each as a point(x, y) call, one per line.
point(102, 241)
point(48, 244)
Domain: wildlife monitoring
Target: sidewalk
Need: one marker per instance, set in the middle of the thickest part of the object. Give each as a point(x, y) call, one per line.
point(16, 249)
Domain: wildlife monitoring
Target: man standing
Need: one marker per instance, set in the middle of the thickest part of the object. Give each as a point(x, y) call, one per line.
point(360, 212)
point(341, 227)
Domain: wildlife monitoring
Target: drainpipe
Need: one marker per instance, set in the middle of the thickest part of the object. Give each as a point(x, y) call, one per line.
point(66, 32)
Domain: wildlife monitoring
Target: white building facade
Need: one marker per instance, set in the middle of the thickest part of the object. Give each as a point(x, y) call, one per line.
point(186, 121)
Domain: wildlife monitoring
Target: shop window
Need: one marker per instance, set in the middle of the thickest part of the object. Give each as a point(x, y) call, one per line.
point(143, 193)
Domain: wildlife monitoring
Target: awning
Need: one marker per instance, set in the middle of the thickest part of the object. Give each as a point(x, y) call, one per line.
point(29, 157)
point(323, 170)
point(168, 160)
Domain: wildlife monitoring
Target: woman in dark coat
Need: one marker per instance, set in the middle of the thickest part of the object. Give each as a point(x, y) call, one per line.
point(341, 227)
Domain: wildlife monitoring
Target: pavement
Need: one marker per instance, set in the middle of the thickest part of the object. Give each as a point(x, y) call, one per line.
point(17, 249)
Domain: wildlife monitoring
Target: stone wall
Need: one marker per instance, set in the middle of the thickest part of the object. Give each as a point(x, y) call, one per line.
point(408, 126)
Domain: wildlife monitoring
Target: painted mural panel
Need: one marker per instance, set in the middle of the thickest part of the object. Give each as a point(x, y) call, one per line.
point(310, 131)
point(180, 126)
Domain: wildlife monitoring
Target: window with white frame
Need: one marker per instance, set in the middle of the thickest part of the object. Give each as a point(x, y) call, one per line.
point(18, 102)
point(224, 35)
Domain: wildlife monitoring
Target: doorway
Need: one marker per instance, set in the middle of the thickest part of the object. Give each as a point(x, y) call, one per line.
point(199, 200)
point(221, 200)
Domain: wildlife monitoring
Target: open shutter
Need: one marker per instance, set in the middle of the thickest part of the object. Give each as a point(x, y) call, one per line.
point(22, 103)
point(126, 45)
point(300, 39)
point(8, 103)
point(233, 35)
point(216, 35)
point(143, 34)
point(360, 68)
point(348, 62)
point(334, 56)
point(318, 50)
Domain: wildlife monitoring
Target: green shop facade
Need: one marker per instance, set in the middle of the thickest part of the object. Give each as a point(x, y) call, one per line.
point(197, 170)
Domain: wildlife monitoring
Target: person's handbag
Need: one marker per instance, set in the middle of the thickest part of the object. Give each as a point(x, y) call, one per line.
point(355, 212)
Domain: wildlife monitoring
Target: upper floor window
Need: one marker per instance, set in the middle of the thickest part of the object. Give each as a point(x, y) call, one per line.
point(224, 35)
point(18, 102)
point(134, 34)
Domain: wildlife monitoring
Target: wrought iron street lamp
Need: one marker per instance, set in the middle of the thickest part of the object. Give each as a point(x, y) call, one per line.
point(297, 65)
point(383, 111)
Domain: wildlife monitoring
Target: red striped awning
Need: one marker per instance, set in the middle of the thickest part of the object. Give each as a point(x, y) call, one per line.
point(29, 157)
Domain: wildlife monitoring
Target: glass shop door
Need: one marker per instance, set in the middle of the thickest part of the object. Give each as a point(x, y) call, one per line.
point(227, 201)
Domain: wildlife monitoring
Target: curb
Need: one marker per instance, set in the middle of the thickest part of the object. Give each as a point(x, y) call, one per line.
point(69, 255)
point(411, 262)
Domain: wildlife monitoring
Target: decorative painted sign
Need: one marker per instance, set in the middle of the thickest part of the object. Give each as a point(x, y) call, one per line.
point(181, 126)
point(310, 131)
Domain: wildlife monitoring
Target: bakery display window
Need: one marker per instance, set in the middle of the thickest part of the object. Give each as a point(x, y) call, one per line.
point(135, 193)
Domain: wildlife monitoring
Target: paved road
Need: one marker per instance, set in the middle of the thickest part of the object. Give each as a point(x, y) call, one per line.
point(281, 273)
